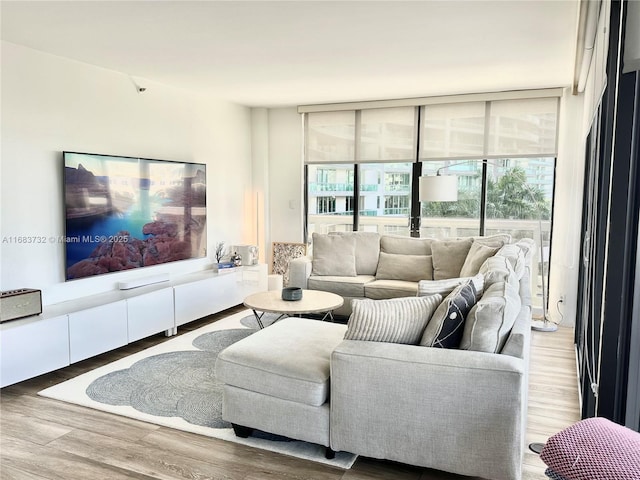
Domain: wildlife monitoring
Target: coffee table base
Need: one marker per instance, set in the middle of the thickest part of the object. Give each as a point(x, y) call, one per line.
point(259, 316)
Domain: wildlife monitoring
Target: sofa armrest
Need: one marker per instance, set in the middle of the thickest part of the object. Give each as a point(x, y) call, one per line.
point(299, 272)
point(453, 410)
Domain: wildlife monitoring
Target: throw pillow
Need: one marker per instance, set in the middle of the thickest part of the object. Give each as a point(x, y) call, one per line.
point(446, 326)
point(396, 320)
point(491, 319)
point(478, 253)
point(405, 245)
point(367, 251)
point(497, 240)
point(446, 286)
point(334, 255)
point(411, 268)
point(449, 257)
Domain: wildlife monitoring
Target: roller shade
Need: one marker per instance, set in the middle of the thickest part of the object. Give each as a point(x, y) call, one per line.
point(521, 127)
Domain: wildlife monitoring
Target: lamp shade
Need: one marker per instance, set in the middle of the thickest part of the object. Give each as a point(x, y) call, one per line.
point(439, 188)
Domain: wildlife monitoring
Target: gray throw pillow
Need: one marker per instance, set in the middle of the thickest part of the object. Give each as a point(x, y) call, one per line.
point(490, 321)
point(334, 255)
point(405, 245)
point(478, 253)
point(497, 240)
point(446, 326)
point(410, 268)
point(498, 269)
point(449, 257)
point(396, 320)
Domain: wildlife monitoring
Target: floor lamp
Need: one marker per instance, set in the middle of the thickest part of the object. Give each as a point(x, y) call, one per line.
point(444, 188)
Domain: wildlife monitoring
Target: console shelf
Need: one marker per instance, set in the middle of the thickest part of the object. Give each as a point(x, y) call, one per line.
point(71, 331)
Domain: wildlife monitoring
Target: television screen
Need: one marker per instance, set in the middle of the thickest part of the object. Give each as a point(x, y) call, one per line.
point(123, 213)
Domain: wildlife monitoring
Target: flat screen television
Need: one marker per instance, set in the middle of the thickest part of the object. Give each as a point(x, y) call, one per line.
point(123, 213)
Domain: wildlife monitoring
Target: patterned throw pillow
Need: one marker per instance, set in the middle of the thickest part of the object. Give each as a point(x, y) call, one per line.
point(446, 326)
point(396, 320)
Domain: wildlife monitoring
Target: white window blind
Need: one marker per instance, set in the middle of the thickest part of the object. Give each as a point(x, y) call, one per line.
point(330, 137)
point(387, 135)
point(523, 128)
point(519, 127)
point(454, 130)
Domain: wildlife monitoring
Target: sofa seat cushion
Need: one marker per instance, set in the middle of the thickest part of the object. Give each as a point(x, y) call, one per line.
point(343, 286)
point(287, 360)
point(382, 289)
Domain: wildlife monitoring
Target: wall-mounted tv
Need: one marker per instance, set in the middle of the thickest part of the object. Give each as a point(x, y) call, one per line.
point(123, 213)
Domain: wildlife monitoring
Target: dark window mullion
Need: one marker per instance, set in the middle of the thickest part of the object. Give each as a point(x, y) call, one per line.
point(356, 171)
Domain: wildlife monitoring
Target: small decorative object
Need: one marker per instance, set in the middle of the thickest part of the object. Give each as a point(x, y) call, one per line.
point(236, 259)
point(223, 265)
point(219, 251)
point(291, 293)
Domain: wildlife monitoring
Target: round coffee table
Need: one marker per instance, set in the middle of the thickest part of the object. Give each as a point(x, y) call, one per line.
point(312, 301)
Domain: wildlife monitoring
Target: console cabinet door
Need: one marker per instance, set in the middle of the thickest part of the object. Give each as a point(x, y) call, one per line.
point(195, 300)
point(150, 313)
point(30, 348)
point(97, 330)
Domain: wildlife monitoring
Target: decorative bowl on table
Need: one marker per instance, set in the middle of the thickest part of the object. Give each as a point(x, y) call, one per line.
point(291, 293)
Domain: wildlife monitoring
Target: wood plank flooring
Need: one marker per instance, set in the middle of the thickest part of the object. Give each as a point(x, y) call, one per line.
point(44, 439)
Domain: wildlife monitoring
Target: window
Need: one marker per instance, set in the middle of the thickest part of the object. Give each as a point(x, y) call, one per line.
point(326, 204)
point(366, 159)
point(396, 204)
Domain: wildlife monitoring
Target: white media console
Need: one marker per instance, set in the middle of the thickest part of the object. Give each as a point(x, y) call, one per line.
point(71, 331)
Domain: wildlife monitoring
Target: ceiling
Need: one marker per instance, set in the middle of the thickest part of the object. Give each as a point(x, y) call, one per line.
point(277, 53)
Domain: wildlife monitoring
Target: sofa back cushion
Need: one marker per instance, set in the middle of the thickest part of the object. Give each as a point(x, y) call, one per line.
point(367, 251)
point(498, 269)
point(490, 321)
point(515, 255)
point(405, 245)
point(446, 326)
point(411, 268)
point(334, 255)
point(449, 257)
point(396, 320)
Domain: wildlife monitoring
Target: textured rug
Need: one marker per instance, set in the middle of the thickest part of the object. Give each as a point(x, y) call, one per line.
point(173, 384)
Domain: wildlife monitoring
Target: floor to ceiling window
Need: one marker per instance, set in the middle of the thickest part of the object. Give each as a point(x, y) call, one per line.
point(362, 164)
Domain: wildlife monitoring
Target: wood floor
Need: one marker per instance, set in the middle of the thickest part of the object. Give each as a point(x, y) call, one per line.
point(48, 439)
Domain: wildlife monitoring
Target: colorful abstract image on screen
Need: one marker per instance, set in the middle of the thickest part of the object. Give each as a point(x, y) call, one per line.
point(123, 213)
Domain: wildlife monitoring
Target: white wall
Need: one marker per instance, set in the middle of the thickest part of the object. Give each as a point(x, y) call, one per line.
point(50, 104)
point(286, 181)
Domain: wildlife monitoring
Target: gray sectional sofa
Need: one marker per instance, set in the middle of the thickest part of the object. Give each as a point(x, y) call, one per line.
point(380, 386)
point(359, 265)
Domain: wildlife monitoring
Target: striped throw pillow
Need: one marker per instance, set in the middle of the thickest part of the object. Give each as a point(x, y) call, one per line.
point(396, 320)
point(446, 286)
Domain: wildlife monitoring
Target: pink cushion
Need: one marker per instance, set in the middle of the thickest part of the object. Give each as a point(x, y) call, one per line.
point(594, 448)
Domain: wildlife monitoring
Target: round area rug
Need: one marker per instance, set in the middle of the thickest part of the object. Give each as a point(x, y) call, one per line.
point(174, 384)
point(267, 319)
